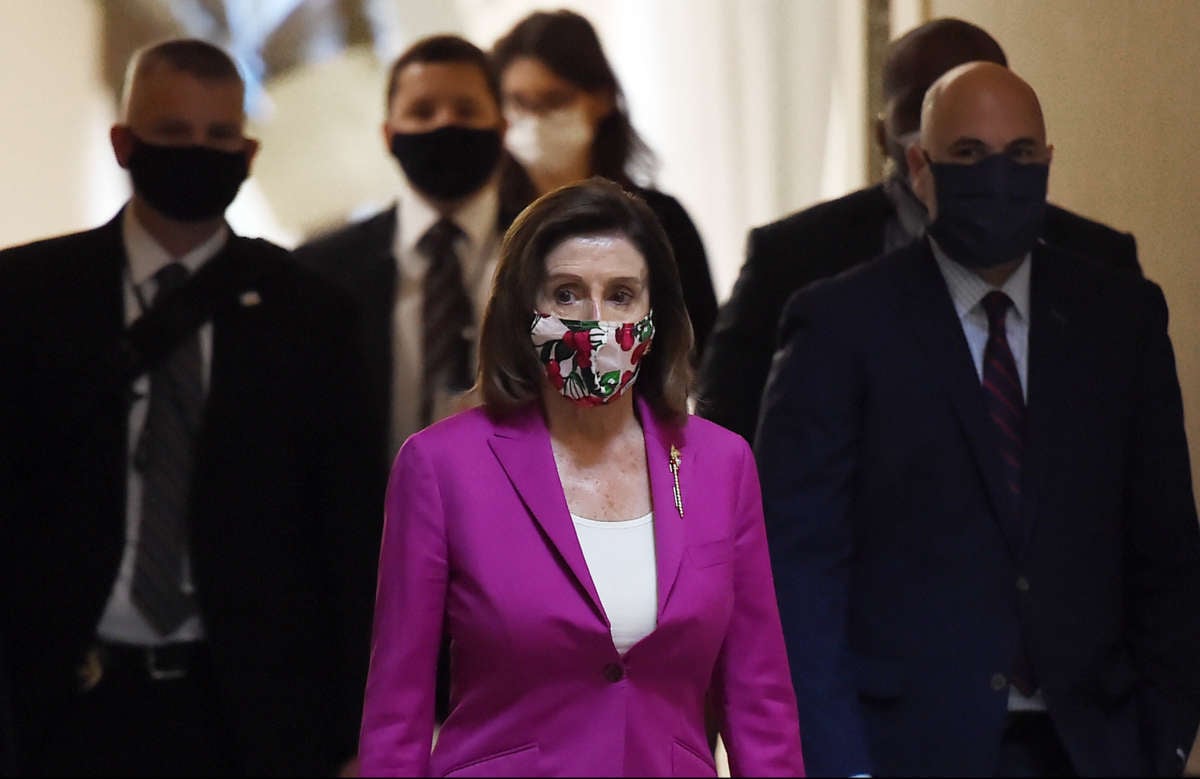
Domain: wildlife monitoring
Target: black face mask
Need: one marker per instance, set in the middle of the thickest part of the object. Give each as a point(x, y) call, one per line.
point(450, 162)
point(990, 212)
point(187, 183)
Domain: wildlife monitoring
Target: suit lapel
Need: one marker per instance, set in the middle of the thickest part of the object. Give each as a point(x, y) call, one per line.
point(669, 534)
point(935, 322)
point(522, 445)
point(1049, 392)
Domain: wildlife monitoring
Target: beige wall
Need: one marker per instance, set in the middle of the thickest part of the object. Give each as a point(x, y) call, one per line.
point(1118, 84)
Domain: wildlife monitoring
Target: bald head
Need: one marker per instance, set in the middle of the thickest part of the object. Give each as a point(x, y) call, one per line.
point(974, 111)
point(980, 107)
point(913, 62)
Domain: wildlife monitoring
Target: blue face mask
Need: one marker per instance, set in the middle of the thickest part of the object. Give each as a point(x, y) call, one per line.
point(989, 212)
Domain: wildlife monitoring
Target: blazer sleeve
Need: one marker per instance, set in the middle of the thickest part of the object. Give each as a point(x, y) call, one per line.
point(398, 709)
point(1163, 582)
point(737, 358)
point(807, 451)
point(752, 691)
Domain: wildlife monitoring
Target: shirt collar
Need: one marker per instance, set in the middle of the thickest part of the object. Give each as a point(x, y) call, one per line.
point(147, 256)
point(967, 289)
point(476, 217)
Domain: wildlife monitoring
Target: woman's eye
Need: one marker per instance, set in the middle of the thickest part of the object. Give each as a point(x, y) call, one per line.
point(564, 296)
point(622, 296)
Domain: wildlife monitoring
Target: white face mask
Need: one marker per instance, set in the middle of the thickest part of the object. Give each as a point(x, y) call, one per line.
point(550, 142)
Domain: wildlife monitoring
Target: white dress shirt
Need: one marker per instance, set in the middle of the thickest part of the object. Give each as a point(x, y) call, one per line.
point(478, 250)
point(121, 620)
point(967, 290)
point(620, 559)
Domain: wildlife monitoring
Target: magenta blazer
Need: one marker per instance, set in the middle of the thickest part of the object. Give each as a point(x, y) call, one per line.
point(478, 541)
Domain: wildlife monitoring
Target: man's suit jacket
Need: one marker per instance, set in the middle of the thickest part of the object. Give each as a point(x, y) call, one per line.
point(478, 540)
point(283, 549)
point(901, 596)
point(817, 243)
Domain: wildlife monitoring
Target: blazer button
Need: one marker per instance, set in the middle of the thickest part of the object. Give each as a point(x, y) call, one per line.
point(999, 682)
point(614, 672)
point(1022, 584)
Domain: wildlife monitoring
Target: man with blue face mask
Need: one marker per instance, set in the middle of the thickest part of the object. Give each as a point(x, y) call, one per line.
point(836, 235)
point(976, 485)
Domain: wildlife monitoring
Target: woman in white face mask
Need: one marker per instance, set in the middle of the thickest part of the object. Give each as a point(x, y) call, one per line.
point(567, 120)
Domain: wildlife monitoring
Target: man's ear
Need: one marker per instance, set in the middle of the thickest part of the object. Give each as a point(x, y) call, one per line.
point(122, 141)
point(915, 156)
point(920, 177)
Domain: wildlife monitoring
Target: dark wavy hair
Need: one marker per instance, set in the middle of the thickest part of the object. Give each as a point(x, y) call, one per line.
point(510, 375)
point(567, 44)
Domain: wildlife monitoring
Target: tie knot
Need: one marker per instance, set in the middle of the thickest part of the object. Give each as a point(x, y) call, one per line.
point(169, 278)
point(440, 238)
point(996, 304)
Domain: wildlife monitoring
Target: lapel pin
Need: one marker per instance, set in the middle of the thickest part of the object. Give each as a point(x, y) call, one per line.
point(250, 298)
point(674, 464)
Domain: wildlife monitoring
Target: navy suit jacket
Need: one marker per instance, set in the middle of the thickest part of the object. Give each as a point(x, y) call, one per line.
point(898, 586)
point(817, 243)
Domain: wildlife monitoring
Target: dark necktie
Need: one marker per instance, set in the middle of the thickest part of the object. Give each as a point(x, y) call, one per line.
point(1006, 408)
point(164, 456)
point(447, 318)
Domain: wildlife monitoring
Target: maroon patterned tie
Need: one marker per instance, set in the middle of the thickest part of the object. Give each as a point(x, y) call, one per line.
point(1006, 408)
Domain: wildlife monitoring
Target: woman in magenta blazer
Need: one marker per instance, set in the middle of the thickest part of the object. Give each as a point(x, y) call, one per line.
point(596, 556)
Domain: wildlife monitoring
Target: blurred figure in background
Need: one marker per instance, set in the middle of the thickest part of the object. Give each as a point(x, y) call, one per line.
point(568, 121)
point(186, 560)
point(830, 237)
point(420, 271)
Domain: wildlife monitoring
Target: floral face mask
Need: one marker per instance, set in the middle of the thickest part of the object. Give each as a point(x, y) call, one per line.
point(588, 361)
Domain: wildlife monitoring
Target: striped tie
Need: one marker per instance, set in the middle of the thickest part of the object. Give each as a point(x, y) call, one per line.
point(1006, 407)
point(164, 455)
point(1005, 403)
point(447, 319)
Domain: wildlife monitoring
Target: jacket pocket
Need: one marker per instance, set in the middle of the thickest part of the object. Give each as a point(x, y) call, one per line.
point(518, 761)
point(712, 553)
point(686, 761)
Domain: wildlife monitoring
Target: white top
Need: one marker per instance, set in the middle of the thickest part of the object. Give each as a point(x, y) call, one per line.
point(121, 620)
point(478, 250)
point(620, 558)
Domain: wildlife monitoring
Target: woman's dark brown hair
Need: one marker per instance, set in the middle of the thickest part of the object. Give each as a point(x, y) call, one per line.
point(510, 375)
point(567, 44)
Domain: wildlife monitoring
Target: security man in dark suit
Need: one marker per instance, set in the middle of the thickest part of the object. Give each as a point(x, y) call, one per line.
point(830, 237)
point(976, 485)
point(186, 559)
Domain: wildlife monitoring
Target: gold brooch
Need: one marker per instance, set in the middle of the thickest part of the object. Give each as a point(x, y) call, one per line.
point(674, 463)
